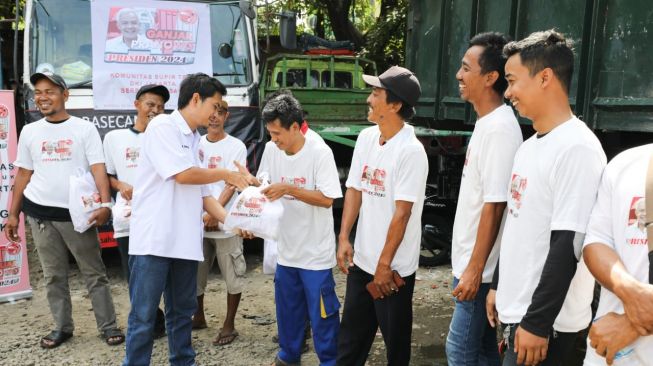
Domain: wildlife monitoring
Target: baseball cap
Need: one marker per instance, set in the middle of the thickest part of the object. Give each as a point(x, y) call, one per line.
point(156, 89)
point(54, 78)
point(224, 105)
point(398, 80)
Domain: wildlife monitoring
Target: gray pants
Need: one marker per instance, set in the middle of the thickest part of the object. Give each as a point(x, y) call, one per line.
point(53, 239)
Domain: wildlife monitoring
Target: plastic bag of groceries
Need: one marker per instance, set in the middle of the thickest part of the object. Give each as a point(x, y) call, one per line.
point(270, 257)
point(121, 213)
point(253, 212)
point(83, 199)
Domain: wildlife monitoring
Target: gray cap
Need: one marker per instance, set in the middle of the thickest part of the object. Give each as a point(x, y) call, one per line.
point(398, 80)
point(54, 78)
point(159, 90)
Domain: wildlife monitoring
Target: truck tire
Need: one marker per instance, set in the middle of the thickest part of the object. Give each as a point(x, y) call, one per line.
point(436, 241)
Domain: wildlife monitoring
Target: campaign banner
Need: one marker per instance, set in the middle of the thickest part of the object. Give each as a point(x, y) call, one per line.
point(14, 273)
point(139, 42)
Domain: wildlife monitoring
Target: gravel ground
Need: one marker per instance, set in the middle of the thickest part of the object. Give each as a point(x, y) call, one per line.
point(25, 322)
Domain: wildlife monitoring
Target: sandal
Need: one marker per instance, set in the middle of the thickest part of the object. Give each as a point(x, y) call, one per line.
point(55, 339)
point(225, 339)
point(113, 337)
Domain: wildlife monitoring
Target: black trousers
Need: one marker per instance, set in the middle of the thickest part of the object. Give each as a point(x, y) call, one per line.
point(362, 316)
point(560, 346)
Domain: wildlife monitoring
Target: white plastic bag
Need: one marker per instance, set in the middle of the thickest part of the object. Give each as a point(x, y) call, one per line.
point(83, 199)
point(269, 257)
point(253, 212)
point(121, 213)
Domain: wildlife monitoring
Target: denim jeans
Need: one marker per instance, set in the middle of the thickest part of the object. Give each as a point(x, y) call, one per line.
point(471, 339)
point(151, 276)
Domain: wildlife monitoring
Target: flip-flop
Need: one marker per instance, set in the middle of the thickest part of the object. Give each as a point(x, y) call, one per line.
point(57, 337)
point(230, 337)
point(113, 337)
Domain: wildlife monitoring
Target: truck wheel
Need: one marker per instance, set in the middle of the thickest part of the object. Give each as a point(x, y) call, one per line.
point(436, 241)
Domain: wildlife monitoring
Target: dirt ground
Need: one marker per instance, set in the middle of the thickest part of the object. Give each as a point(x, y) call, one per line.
point(25, 322)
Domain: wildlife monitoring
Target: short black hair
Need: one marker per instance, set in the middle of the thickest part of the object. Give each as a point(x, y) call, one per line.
point(544, 49)
point(284, 107)
point(406, 112)
point(492, 59)
point(200, 83)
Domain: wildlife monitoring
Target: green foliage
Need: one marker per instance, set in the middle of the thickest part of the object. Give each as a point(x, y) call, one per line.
point(385, 41)
point(8, 11)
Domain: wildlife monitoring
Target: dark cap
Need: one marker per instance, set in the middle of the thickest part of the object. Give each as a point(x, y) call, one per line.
point(400, 81)
point(54, 78)
point(160, 90)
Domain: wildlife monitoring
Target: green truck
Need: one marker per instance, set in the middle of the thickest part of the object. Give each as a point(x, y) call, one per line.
point(612, 86)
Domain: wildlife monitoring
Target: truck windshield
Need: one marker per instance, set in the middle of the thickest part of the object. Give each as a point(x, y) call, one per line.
point(61, 42)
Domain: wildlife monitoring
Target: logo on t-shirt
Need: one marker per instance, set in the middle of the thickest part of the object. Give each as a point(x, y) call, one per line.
point(299, 182)
point(60, 150)
point(373, 181)
point(517, 189)
point(469, 150)
point(131, 155)
point(214, 161)
point(200, 153)
point(636, 231)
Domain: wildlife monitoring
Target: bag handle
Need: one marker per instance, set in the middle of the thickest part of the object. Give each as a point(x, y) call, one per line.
point(649, 217)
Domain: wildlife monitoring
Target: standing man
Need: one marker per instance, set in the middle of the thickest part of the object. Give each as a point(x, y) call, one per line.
point(385, 187)
point(616, 252)
point(219, 150)
point(304, 176)
point(122, 152)
point(49, 151)
point(481, 201)
point(543, 296)
point(166, 224)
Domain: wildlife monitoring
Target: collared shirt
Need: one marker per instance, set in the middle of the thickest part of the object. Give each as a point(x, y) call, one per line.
point(166, 216)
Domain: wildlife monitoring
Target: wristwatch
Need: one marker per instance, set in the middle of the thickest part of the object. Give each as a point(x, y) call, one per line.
point(106, 205)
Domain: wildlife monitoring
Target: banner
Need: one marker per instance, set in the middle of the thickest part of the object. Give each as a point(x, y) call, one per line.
point(14, 273)
point(139, 42)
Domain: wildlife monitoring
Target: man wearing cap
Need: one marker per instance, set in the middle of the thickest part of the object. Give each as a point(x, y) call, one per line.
point(49, 151)
point(219, 150)
point(385, 188)
point(122, 152)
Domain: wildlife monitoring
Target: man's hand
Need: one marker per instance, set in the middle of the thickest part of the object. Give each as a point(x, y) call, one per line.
point(530, 349)
point(126, 191)
point(245, 234)
point(610, 334)
point(210, 223)
point(100, 216)
point(345, 255)
point(468, 284)
point(244, 171)
point(638, 305)
point(11, 229)
point(384, 281)
point(237, 179)
point(491, 308)
point(275, 191)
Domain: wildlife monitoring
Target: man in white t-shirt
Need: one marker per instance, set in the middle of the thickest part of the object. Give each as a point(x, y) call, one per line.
point(481, 201)
point(165, 239)
point(617, 255)
point(304, 176)
point(219, 150)
point(385, 188)
point(544, 293)
point(50, 150)
point(121, 152)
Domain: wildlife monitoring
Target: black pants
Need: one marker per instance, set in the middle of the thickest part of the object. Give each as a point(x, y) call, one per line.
point(123, 248)
point(362, 316)
point(560, 346)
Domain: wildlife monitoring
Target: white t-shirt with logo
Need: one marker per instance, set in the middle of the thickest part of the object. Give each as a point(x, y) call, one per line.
point(54, 152)
point(122, 151)
point(306, 236)
point(553, 186)
point(395, 171)
point(221, 154)
point(614, 223)
point(166, 219)
point(485, 176)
